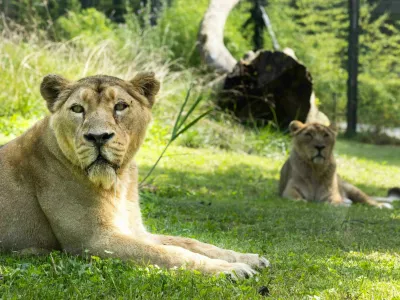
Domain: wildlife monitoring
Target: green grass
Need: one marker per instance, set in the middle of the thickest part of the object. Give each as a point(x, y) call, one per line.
point(230, 199)
point(225, 197)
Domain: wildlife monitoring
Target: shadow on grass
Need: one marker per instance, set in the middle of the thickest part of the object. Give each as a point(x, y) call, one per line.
point(242, 200)
point(238, 182)
point(312, 247)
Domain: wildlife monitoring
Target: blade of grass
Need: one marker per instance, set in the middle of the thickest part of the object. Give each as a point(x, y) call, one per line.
point(177, 130)
point(176, 126)
point(155, 165)
point(192, 108)
point(193, 123)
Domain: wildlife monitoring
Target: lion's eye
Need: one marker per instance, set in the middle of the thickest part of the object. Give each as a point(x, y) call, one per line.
point(78, 109)
point(309, 135)
point(120, 106)
point(326, 135)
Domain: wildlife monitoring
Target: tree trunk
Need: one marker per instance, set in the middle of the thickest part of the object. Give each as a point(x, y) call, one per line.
point(211, 36)
point(354, 9)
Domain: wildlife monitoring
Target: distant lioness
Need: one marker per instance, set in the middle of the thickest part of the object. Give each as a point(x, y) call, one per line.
point(70, 182)
point(310, 172)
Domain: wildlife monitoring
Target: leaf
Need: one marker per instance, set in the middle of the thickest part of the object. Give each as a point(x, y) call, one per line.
point(193, 123)
point(181, 110)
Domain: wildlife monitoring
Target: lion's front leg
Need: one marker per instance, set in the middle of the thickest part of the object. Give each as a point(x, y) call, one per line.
point(211, 251)
point(292, 192)
point(147, 252)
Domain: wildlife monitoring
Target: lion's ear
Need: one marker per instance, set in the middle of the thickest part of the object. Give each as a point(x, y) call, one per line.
point(334, 128)
point(147, 85)
point(51, 87)
point(295, 125)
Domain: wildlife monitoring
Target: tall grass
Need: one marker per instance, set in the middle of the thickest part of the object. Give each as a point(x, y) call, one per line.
point(27, 56)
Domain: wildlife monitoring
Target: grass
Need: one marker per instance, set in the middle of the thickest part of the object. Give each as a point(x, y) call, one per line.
point(218, 184)
point(230, 199)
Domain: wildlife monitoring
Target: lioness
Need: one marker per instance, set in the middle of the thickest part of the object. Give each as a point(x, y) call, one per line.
point(310, 172)
point(70, 182)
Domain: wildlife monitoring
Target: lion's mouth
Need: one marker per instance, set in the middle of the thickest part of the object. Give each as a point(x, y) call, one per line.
point(102, 172)
point(102, 161)
point(319, 158)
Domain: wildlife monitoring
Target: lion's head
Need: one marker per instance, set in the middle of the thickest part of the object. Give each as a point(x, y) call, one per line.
point(100, 121)
point(313, 142)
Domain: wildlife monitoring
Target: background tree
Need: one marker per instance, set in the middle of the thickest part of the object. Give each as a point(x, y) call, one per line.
point(352, 62)
point(256, 20)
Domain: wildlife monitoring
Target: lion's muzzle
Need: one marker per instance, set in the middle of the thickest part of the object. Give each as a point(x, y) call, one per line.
point(319, 158)
point(99, 139)
point(102, 164)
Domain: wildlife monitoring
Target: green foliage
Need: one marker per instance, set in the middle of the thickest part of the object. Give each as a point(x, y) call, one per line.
point(96, 46)
point(380, 69)
point(122, 53)
point(238, 40)
point(38, 14)
point(317, 31)
point(88, 24)
point(180, 25)
point(178, 28)
point(380, 103)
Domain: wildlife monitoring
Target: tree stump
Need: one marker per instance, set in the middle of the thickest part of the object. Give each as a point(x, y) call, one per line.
point(270, 86)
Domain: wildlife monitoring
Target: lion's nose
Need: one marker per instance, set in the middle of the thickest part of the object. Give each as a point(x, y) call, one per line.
point(99, 139)
point(320, 147)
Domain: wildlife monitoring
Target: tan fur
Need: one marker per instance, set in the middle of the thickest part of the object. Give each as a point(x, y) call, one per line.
point(60, 190)
point(310, 173)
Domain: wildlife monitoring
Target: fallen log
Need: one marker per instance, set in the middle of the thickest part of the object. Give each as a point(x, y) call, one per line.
point(264, 86)
point(272, 86)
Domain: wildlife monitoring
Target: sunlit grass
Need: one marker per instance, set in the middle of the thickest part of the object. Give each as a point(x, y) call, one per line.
point(217, 183)
point(230, 199)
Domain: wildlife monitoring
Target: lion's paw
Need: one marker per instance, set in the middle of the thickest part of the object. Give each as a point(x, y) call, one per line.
point(233, 270)
point(253, 260)
point(239, 271)
point(385, 205)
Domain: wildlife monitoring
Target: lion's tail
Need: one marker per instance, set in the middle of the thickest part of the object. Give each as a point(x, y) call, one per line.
point(393, 195)
point(358, 196)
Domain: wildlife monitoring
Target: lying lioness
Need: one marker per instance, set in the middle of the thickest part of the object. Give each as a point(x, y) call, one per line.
point(70, 182)
point(310, 172)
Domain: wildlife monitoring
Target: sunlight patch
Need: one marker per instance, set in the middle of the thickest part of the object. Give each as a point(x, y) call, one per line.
point(376, 256)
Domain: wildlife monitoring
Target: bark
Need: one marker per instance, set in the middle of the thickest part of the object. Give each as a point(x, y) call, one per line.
point(211, 36)
point(271, 86)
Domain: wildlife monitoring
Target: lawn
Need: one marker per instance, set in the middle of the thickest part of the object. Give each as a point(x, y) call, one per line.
point(230, 199)
point(225, 197)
